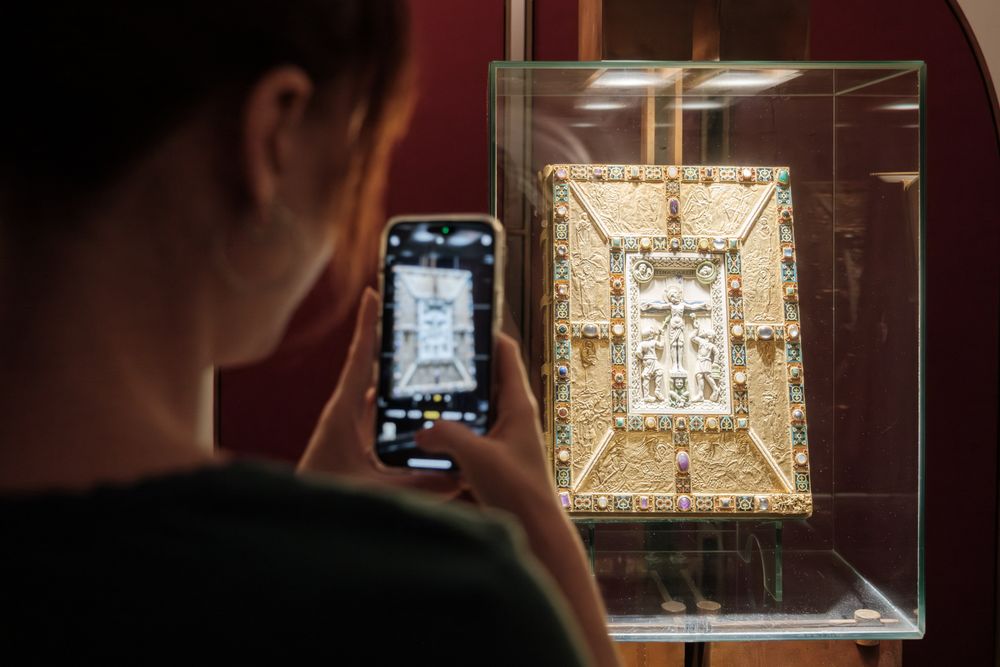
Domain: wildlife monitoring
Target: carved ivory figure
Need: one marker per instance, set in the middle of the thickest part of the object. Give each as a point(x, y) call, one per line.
point(649, 357)
point(675, 308)
point(708, 351)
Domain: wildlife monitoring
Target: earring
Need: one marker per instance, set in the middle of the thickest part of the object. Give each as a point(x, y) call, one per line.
point(278, 236)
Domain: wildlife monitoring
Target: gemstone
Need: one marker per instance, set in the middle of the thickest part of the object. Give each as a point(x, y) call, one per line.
point(562, 329)
point(616, 283)
point(801, 458)
point(680, 423)
point(563, 455)
point(634, 172)
point(562, 290)
point(619, 378)
point(683, 461)
point(725, 503)
point(703, 244)
point(602, 502)
point(675, 243)
point(562, 413)
point(562, 210)
point(562, 250)
point(645, 243)
point(737, 331)
point(711, 424)
point(790, 292)
point(719, 244)
point(798, 415)
point(787, 254)
point(746, 173)
point(618, 330)
point(563, 371)
point(783, 176)
point(709, 173)
point(742, 423)
point(734, 244)
point(564, 500)
point(561, 173)
point(786, 214)
point(598, 172)
point(589, 330)
point(740, 378)
point(650, 423)
point(619, 422)
point(675, 206)
point(765, 332)
point(762, 503)
point(643, 502)
point(734, 284)
point(684, 503)
point(793, 331)
point(672, 172)
point(794, 372)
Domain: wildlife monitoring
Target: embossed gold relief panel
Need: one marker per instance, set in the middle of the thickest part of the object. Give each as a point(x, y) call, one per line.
point(674, 352)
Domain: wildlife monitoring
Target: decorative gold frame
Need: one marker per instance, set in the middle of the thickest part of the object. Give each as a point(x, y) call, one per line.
point(612, 229)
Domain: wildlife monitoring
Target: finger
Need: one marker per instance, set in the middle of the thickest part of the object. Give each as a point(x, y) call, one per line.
point(514, 397)
point(361, 355)
point(453, 439)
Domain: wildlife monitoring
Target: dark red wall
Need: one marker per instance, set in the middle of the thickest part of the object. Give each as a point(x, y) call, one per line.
point(270, 409)
point(963, 168)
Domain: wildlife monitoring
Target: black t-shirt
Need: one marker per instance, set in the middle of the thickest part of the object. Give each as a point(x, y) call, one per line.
point(248, 562)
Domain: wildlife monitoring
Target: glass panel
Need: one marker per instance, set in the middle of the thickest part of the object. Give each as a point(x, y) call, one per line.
point(851, 135)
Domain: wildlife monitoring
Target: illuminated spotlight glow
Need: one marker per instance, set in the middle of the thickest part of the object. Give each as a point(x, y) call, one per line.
point(748, 80)
point(899, 106)
point(625, 79)
point(700, 105)
point(602, 105)
point(431, 464)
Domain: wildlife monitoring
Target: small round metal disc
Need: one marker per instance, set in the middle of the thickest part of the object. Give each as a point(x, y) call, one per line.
point(709, 606)
point(867, 615)
point(674, 607)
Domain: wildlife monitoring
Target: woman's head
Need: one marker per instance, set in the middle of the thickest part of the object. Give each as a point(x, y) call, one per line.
point(224, 144)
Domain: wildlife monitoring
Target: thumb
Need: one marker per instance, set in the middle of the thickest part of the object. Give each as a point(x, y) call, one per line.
point(452, 439)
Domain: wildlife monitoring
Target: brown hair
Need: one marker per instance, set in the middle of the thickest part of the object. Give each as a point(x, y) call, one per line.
point(93, 85)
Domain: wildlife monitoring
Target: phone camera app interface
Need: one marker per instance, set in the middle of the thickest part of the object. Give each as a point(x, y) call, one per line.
point(436, 320)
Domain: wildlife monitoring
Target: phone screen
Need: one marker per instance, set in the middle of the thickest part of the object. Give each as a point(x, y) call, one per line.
point(435, 358)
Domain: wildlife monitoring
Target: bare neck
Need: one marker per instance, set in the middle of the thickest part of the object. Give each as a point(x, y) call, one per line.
point(102, 370)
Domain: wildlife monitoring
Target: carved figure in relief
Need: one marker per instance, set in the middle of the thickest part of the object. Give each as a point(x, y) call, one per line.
point(708, 370)
point(675, 308)
point(678, 392)
point(588, 354)
point(649, 356)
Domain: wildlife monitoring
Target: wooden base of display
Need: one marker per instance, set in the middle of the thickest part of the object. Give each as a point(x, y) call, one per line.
point(764, 654)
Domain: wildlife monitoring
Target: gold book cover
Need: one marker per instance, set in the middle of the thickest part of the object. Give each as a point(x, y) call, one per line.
point(674, 341)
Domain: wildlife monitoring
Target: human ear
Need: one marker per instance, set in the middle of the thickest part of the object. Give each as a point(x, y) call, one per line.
point(273, 110)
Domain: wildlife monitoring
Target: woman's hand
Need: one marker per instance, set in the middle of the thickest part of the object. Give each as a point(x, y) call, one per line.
point(343, 443)
point(507, 469)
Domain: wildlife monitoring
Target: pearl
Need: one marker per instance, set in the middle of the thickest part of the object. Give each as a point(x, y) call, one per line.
point(561, 173)
point(765, 332)
point(793, 331)
point(747, 173)
point(672, 172)
point(737, 331)
point(650, 423)
point(740, 378)
point(602, 502)
point(563, 455)
point(798, 415)
point(711, 423)
point(801, 458)
point(762, 503)
point(618, 330)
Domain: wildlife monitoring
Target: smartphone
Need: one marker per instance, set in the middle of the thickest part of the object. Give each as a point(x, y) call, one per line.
point(441, 285)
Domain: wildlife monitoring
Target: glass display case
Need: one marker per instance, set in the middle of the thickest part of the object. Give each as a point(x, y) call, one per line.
point(677, 307)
